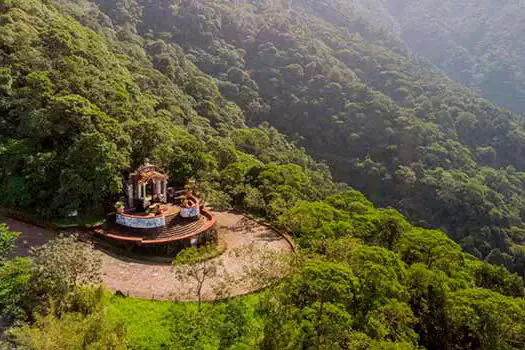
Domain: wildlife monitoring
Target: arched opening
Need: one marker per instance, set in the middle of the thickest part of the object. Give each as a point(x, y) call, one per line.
point(150, 190)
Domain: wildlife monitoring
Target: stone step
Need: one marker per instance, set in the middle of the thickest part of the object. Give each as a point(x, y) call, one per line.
point(181, 230)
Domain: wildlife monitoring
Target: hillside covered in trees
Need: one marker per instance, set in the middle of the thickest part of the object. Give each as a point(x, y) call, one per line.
point(79, 107)
point(477, 42)
point(344, 86)
point(204, 89)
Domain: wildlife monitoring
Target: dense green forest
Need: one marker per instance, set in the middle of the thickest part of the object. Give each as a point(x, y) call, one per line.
point(204, 89)
point(78, 108)
point(477, 42)
point(341, 84)
point(338, 84)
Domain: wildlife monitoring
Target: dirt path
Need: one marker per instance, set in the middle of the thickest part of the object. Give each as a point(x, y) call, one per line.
point(30, 235)
point(156, 281)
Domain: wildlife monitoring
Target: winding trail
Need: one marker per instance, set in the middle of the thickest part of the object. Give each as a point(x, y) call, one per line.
point(155, 280)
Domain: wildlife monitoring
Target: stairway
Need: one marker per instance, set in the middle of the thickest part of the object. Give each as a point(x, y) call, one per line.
point(177, 229)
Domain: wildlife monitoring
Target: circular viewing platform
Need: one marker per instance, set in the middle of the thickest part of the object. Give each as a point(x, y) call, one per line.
point(160, 228)
point(158, 218)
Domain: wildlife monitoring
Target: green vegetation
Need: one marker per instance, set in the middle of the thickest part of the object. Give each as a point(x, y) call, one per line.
point(89, 89)
point(477, 42)
point(363, 278)
point(53, 300)
point(196, 266)
point(7, 241)
point(156, 325)
point(122, 86)
point(196, 255)
point(128, 323)
point(330, 76)
point(370, 280)
point(79, 107)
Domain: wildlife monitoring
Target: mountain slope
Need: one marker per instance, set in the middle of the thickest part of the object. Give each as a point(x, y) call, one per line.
point(338, 82)
point(77, 107)
point(85, 94)
point(476, 42)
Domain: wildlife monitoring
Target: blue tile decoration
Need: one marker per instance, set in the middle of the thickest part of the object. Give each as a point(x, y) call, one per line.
point(135, 222)
point(189, 212)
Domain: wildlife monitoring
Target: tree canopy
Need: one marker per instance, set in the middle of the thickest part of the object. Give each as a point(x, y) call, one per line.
point(208, 90)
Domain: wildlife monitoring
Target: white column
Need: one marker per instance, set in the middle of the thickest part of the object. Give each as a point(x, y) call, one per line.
point(165, 188)
point(139, 191)
point(144, 190)
point(130, 195)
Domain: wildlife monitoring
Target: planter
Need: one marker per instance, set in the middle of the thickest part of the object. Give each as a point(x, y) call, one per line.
point(192, 212)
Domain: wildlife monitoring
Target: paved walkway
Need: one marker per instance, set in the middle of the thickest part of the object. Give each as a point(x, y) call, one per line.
point(156, 281)
point(30, 235)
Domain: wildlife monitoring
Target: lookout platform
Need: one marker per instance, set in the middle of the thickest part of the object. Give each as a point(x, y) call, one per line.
point(156, 219)
point(175, 229)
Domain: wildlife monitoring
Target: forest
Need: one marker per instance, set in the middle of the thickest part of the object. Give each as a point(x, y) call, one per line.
point(476, 42)
point(402, 188)
point(344, 87)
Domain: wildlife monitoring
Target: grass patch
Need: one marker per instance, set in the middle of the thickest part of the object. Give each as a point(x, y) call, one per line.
point(147, 322)
point(157, 324)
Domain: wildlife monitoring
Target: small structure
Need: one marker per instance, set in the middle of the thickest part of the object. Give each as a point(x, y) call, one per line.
point(147, 183)
point(158, 220)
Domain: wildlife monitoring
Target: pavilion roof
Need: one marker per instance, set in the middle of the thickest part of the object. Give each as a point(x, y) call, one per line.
point(145, 176)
